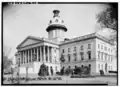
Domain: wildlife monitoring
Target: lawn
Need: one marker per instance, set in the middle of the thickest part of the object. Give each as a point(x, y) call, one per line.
point(110, 80)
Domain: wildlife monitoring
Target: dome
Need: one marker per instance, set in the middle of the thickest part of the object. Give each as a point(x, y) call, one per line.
point(56, 22)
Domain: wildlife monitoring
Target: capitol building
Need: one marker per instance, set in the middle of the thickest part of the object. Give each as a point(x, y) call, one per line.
point(92, 50)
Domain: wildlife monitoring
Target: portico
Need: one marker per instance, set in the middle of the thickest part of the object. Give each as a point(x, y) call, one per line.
point(36, 52)
point(40, 53)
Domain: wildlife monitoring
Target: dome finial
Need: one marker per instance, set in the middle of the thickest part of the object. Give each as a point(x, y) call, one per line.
point(56, 13)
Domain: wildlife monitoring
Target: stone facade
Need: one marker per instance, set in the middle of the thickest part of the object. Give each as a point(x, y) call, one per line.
point(93, 50)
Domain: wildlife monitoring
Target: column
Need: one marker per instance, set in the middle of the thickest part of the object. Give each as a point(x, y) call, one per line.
point(25, 56)
point(42, 48)
point(31, 55)
point(20, 57)
point(34, 55)
point(40, 53)
point(44, 53)
point(28, 55)
point(37, 55)
point(51, 54)
point(57, 55)
point(48, 53)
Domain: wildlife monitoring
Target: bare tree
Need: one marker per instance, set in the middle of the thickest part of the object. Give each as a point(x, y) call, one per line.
point(108, 19)
point(6, 61)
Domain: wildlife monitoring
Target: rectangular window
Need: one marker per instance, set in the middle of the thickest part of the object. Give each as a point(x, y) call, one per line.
point(101, 55)
point(63, 51)
point(56, 68)
point(89, 46)
point(98, 54)
point(102, 66)
point(109, 50)
point(68, 57)
point(68, 49)
point(89, 55)
point(101, 46)
point(99, 66)
point(82, 55)
point(111, 58)
point(75, 57)
point(74, 48)
point(105, 48)
point(98, 45)
point(81, 47)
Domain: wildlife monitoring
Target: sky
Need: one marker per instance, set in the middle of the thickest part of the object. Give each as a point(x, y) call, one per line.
point(20, 21)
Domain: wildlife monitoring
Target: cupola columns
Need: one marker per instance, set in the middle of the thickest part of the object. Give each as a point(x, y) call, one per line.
point(56, 28)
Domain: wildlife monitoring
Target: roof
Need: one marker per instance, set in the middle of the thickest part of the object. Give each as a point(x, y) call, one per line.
point(93, 35)
point(56, 22)
point(38, 39)
point(56, 26)
point(81, 38)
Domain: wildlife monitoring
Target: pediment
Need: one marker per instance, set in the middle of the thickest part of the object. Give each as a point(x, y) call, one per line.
point(29, 41)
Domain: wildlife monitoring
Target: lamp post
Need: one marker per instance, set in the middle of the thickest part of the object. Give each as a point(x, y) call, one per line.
point(18, 73)
point(26, 73)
